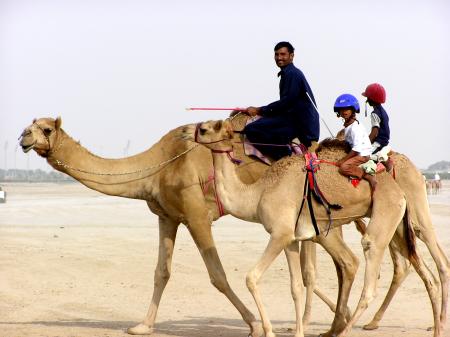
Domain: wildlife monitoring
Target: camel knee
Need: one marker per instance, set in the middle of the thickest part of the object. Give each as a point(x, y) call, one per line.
point(251, 281)
point(220, 283)
point(350, 266)
point(162, 276)
point(296, 291)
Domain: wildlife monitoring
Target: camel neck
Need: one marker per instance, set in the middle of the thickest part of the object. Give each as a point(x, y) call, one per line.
point(238, 198)
point(125, 177)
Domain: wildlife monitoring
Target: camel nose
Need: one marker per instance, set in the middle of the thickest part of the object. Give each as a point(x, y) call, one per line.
point(24, 133)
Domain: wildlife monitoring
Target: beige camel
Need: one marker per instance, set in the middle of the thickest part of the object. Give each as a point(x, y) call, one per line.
point(180, 200)
point(274, 200)
point(171, 177)
point(410, 180)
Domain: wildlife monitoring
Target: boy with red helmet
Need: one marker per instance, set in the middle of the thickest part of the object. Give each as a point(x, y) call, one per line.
point(380, 134)
point(347, 106)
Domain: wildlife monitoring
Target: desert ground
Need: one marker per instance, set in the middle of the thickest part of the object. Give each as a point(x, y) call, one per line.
point(76, 263)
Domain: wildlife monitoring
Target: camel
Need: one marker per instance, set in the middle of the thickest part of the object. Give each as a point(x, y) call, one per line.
point(274, 201)
point(179, 200)
point(172, 177)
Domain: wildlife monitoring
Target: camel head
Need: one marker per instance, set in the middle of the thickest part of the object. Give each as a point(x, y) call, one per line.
point(41, 136)
point(215, 135)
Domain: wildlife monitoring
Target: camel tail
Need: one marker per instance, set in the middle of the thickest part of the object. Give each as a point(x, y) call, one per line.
point(410, 237)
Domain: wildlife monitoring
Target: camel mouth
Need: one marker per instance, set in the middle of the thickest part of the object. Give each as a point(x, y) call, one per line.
point(27, 148)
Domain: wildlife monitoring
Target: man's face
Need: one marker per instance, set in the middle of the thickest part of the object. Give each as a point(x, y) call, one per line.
point(283, 57)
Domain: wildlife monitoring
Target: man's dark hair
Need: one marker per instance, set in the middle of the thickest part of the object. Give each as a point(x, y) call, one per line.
point(286, 44)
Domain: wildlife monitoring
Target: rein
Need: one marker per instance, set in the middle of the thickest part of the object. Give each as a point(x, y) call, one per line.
point(51, 153)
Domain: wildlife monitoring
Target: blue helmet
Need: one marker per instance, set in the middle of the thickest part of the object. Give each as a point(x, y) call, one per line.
point(346, 101)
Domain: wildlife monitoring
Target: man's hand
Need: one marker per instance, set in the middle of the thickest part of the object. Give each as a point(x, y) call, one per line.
point(252, 111)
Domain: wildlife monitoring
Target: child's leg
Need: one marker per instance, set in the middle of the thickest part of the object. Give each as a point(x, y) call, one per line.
point(351, 168)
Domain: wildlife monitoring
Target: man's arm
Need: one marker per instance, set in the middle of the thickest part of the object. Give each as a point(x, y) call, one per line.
point(294, 88)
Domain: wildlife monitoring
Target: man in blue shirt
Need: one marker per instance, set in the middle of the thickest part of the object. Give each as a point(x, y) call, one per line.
point(292, 116)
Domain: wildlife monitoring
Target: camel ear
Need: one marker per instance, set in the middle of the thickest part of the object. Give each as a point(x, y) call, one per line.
point(229, 128)
point(58, 123)
point(218, 125)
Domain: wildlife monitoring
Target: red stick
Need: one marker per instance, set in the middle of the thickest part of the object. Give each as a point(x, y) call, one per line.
point(228, 109)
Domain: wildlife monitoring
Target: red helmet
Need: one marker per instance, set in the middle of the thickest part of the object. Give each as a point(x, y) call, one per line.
point(375, 92)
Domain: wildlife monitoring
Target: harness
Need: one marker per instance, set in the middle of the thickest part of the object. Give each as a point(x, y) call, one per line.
point(311, 187)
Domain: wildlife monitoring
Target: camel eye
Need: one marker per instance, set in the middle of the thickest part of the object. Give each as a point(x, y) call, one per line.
point(202, 131)
point(47, 131)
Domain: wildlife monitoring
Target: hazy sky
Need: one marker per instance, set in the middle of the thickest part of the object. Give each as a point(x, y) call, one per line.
point(126, 70)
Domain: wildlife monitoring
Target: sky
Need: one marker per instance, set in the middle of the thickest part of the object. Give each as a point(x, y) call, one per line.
point(120, 72)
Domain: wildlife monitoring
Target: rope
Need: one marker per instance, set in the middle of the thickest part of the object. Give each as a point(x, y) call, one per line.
point(59, 163)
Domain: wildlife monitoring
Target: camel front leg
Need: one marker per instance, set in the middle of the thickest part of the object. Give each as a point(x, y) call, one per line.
point(167, 233)
point(401, 270)
point(346, 264)
point(388, 209)
point(273, 249)
point(308, 266)
point(295, 272)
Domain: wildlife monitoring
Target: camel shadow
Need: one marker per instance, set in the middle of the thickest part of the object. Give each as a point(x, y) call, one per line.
point(190, 327)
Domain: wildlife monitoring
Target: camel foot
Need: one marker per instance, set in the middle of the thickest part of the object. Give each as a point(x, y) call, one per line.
point(371, 326)
point(255, 329)
point(327, 334)
point(140, 329)
point(306, 319)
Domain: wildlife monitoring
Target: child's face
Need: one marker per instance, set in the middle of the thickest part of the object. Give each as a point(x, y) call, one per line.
point(345, 113)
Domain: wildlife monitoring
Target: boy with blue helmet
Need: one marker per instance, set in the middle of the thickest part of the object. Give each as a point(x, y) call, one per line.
point(380, 134)
point(347, 106)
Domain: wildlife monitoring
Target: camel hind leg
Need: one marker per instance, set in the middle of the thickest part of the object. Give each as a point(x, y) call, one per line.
point(346, 264)
point(202, 236)
point(430, 240)
point(388, 209)
point(400, 248)
point(423, 226)
point(309, 266)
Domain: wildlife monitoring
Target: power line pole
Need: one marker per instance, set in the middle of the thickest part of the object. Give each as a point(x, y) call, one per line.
point(6, 156)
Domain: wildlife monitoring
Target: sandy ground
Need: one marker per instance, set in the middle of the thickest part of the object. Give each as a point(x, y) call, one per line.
point(75, 263)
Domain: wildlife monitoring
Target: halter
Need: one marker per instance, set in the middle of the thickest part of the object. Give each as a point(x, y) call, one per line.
point(50, 152)
point(228, 152)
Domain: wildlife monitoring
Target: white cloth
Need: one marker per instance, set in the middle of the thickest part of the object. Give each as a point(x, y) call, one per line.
point(381, 155)
point(356, 136)
point(375, 120)
point(437, 177)
point(369, 167)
